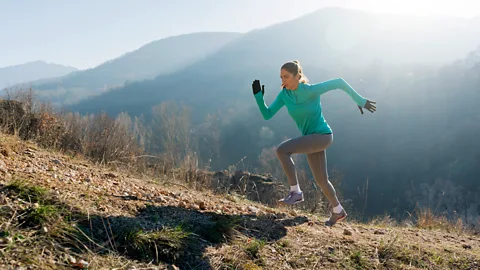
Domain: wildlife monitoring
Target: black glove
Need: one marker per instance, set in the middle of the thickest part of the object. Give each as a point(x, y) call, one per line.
point(256, 87)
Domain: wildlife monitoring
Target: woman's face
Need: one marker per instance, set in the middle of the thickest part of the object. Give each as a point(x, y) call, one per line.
point(288, 80)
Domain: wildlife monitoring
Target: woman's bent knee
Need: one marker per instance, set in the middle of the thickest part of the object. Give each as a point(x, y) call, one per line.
point(281, 150)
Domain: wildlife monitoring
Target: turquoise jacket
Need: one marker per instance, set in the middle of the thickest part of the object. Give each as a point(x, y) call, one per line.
point(304, 106)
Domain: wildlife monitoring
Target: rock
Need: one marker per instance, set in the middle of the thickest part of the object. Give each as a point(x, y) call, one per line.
point(159, 199)
point(56, 161)
point(465, 246)
point(29, 153)
point(253, 209)
point(71, 260)
point(347, 232)
point(5, 152)
point(81, 264)
point(110, 175)
point(182, 204)
point(3, 167)
point(378, 232)
point(202, 205)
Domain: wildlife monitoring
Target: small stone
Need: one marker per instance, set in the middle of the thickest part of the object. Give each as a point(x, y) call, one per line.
point(159, 199)
point(378, 232)
point(71, 259)
point(110, 175)
point(253, 209)
point(465, 246)
point(202, 205)
point(3, 166)
point(347, 232)
point(4, 152)
point(82, 264)
point(56, 161)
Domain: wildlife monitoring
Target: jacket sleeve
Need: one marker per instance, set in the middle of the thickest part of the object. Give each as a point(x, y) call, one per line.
point(269, 112)
point(338, 83)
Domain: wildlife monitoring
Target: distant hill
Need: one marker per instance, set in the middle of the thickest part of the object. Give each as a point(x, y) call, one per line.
point(164, 56)
point(31, 71)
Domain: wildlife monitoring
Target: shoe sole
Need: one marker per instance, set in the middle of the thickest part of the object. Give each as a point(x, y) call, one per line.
point(292, 203)
point(336, 221)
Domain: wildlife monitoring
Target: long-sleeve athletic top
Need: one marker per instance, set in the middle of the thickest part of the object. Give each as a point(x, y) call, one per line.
point(304, 106)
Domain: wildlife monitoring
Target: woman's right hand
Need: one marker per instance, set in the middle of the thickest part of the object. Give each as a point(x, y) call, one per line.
point(256, 87)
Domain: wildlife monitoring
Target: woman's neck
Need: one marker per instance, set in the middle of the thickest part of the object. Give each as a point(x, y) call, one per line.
point(296, 88)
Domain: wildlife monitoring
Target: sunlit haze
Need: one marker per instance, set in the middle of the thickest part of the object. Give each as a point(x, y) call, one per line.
point(84, 34)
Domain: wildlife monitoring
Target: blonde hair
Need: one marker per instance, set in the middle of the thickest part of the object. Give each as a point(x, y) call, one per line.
point(295, 68)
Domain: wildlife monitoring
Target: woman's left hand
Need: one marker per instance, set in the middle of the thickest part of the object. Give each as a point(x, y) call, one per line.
point(369, 105)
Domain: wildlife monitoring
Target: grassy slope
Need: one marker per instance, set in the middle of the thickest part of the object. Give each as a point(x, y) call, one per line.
point(59, 212)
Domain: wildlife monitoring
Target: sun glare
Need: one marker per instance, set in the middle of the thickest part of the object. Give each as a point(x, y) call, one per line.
point(460, 8)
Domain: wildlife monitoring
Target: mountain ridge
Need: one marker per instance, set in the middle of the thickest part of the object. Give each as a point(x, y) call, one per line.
point(33, 70)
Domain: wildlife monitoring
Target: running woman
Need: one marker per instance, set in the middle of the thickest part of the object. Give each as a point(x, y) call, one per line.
point(302, 101)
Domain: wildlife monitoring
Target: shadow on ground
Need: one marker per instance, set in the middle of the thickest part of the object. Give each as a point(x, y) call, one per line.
point(178, 235)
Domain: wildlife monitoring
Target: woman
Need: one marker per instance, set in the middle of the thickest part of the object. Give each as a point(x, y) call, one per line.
point(303, 104)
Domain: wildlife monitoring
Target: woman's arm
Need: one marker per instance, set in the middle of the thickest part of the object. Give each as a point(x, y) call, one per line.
point(338, 83)
point(269, 112)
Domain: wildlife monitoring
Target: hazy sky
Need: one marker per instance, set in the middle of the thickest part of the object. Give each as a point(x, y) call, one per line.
point(85, 33)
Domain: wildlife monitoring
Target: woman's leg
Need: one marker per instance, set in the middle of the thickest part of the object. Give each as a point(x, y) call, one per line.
point(318, 164)
point(302, 145)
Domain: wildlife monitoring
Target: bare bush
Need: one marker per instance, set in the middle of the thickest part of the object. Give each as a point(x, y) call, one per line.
point(98, 137)
point(170, 131)
point(447, 200)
